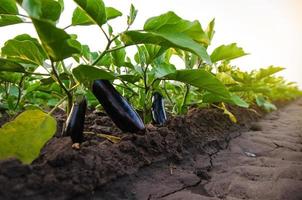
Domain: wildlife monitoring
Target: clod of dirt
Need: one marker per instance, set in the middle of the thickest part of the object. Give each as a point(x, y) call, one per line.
point(256, 127)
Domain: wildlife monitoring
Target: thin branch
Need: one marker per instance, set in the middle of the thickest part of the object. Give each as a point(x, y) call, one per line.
point(66, 27)
point(69, 96)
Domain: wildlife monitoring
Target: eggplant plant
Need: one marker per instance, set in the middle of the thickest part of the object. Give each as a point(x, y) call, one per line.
point(47, 72)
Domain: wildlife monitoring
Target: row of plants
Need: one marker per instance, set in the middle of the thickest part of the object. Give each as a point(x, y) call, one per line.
point(56, 71)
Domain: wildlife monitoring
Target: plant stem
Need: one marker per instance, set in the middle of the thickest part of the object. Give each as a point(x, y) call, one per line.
point(20, 86)
point(57, 105)
point(66, 27)
point(69, 96)
point(167, 94)
point(184, 102)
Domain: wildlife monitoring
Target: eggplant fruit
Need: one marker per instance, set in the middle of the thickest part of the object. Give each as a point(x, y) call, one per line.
point(75, 122)
point(158, 109)
point(117, 107)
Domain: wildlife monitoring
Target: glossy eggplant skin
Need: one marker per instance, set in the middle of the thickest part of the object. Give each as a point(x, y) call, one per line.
point(75, 121)
point(117, 107)
point(158, 109)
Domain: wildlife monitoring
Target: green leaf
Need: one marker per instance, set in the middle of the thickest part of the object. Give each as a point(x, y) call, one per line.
point(118, 56)
point(233, 99)
point(131, 17)
point(79, 17)
point(24, 137)
point(86, 73)
point(8, 7)
point(210, 30)
point(266, 105)
point(227, 52)
point(10, 77)
point(57, 43)
point(95, 9)
point(10, 66)
point(169, 30)
point(9, 20)
point(112, 13)
point(129, 78)
point(174, 40)
point(47, 9)
point(263, 73)
point(164, 69)
point(201, 79)
point(25, 49)
point(170, 22)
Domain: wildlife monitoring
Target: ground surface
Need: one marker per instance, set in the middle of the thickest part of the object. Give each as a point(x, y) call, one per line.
point(202, 155)
point(263, 163)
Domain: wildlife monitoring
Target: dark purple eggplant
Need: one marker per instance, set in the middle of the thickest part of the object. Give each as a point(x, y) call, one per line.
point(158, 109)
point(75, 122)
point(117, 107)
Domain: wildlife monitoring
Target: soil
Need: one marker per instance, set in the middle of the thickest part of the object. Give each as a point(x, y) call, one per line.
point(202, 155)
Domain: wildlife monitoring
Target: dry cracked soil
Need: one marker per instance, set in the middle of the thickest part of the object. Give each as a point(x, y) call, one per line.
point(263, 163)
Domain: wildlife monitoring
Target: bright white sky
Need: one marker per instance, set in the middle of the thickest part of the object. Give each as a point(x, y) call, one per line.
point(270, 30)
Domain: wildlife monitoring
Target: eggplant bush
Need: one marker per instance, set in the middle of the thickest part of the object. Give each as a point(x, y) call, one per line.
point(48, 71)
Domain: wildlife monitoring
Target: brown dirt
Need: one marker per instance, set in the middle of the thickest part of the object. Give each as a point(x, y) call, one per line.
point(263, 162)
point(64, 173)
point(177, 161)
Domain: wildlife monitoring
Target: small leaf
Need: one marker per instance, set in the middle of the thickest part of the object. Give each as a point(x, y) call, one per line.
point(266, 105)
point(79, 17)
point(112, 13)
point(210, 30)
point(131, 17)
point(86, 73)
point(95, 9)
point(26, 135)
point(201, 79)
point(9, 20)
point(227, 52)
point(57, 43)
point(10, 66)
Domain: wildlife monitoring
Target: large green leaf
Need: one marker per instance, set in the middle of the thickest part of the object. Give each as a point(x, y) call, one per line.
point(86, 73)
point(25, 49)
point(169, 30)
point(201, 79)
point(95, 9)
point(170, 22)
point(57, 43)
point(171, 39)
point(227, 52)
point(26, 135)
point(46, 9)
point(10, 66)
